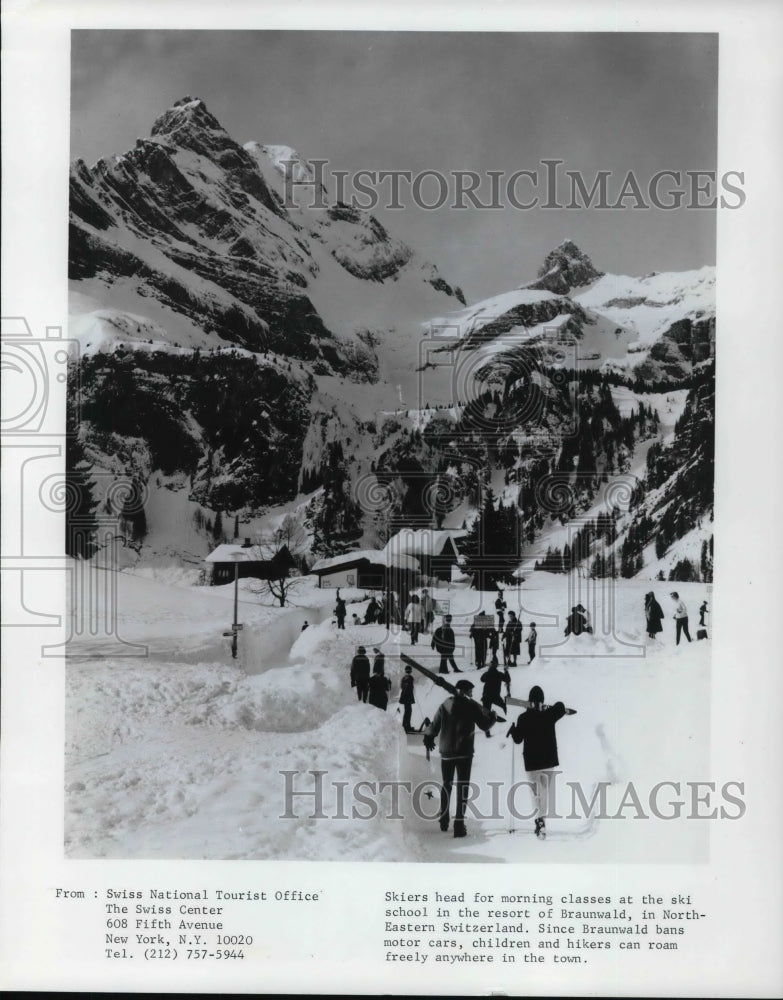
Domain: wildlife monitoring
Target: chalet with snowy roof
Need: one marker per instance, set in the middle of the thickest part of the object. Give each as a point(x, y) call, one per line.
point(368, 569)
point(251, 560)
point(436, 551)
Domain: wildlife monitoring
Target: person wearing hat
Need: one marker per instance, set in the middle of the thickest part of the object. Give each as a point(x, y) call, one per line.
point(535, 729)
point(407, 697)
point(360, 673)
point(532, 639)
point(455, 724)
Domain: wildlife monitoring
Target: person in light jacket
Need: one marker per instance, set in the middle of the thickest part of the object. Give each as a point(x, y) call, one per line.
point(414, 617)
point(680, 617)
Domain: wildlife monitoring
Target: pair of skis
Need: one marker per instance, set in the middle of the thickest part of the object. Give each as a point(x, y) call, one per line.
point(447, 686)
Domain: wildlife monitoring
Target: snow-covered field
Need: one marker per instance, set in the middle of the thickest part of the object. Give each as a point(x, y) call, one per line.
point(179, 753)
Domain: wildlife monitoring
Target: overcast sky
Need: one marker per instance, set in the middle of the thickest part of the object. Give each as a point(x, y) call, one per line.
point(445, 101)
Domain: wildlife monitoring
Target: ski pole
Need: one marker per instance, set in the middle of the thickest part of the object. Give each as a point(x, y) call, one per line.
point(511, 795)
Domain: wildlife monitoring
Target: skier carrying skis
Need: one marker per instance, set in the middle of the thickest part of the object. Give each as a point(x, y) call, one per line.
point(443, 642)
point(407, 697)
point(455, 723)
point(360, 673)
point(493, 680)
point(535, 728)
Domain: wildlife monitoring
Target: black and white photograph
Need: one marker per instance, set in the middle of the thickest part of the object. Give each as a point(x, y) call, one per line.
point(378, 360)
point(390, 498)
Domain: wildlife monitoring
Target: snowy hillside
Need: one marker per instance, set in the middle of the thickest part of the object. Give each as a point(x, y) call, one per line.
point(658, 326)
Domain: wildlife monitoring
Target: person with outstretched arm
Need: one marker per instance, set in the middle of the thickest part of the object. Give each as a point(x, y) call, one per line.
point(455, 724)
point(535, 729)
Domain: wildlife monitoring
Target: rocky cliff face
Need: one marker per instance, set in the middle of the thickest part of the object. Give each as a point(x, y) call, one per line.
point(190, 220)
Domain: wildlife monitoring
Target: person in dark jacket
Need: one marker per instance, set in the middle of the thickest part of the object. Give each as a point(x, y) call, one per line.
point(443, 642)
point(576, 622)
point(455, 723)
point(653, 612)
point(371, 614)
point(407, 697)
point(493, 681)
point(479, 635)
point(380, 686)
point(500, 608)
point(512, 639)
point(360, 673)
point(532, 639)
point(535, 729)
point(339, 611)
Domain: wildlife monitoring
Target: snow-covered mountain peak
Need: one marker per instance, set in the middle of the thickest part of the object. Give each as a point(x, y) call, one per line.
point(564, 268)
point(185, 119)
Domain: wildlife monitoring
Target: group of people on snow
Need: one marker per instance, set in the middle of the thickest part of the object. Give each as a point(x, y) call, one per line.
point(372, 685)
point(654, 616)
point(454, 726)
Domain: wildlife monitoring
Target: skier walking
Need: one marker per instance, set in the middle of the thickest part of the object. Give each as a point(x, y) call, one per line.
point(379, 686)
point(455, 723)
point(653, 612)
point(360, 673)
point(407, 697)
point(680, 617)
point(535, 729)
point(493, 681)
point(532, 639)
point(443, 642)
